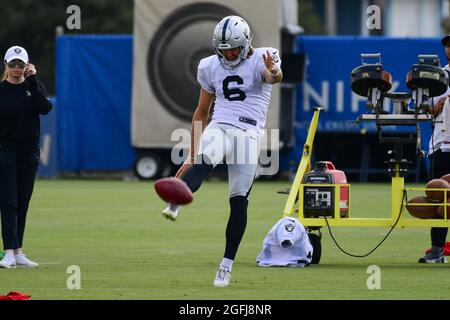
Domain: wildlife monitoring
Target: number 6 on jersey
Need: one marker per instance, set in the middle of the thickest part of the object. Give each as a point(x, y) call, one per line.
point(234, 94)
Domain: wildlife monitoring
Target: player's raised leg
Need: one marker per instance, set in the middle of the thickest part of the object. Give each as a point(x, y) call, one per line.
point(214, 146)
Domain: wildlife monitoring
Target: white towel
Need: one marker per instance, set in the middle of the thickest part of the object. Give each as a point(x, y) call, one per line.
point(287, 244)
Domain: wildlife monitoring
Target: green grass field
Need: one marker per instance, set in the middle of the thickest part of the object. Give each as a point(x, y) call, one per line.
point(114, 232)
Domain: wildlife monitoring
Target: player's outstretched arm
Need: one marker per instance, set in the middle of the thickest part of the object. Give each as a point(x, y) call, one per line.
point(272, 73)
point(200, 116)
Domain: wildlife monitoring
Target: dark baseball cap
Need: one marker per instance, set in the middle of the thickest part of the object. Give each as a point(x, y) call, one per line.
point(446, 40)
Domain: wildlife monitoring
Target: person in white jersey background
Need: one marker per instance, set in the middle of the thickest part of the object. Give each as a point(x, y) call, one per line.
point(439, 155)
point(238, 79)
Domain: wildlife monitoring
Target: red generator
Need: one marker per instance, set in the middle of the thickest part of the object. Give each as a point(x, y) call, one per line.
point(319, 201)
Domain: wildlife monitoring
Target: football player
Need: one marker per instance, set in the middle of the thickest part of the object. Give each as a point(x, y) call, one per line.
point(238, 78)
point(439, 155)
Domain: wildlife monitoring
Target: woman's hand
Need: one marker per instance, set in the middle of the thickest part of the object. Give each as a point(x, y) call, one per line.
point(30, 70)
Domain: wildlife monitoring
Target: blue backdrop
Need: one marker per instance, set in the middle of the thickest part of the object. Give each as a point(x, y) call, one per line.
point(94, 99)
point(94, 78)
point(330, 61)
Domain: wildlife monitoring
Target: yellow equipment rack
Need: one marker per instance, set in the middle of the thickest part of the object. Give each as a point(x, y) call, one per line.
point(294, 202)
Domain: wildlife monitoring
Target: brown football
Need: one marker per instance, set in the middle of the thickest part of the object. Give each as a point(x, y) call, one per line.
point(173, 190)
point(436, 196)
point(421, 212)
point(446, 177)
point(440, 210)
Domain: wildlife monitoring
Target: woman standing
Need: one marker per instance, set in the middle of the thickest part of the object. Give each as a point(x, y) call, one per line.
point(22, 100)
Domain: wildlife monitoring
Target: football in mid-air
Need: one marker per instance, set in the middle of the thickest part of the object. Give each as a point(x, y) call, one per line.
point(173, 190)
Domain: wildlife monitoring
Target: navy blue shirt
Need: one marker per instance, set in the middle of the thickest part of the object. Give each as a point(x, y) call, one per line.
point(20, 107)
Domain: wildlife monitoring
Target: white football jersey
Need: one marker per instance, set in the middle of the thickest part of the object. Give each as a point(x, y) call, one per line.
point(441, 134)
point(242, 95)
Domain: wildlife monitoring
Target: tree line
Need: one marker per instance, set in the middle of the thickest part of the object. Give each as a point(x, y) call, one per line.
point(32, 24)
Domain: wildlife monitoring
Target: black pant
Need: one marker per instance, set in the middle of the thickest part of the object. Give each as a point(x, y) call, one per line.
point(440, 166)
point(17, 175)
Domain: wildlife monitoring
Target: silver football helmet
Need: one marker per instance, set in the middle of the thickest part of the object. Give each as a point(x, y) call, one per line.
point(232, 32)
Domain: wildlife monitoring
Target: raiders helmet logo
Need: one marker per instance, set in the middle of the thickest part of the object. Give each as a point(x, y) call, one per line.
point(17, 50)
point(289, 227)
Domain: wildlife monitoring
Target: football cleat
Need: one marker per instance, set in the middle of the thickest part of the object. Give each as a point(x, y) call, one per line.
point(171, 212)
point(223, 277)
point(434, 256)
